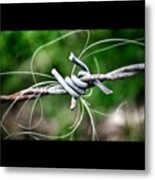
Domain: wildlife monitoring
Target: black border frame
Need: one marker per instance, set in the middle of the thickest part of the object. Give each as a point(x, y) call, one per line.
point(73, 15)
point(74, 154)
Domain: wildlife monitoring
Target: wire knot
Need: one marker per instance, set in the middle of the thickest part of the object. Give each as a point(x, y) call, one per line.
point(74, 85)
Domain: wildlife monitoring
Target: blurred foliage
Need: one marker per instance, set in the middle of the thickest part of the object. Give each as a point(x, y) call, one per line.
point(17, 48)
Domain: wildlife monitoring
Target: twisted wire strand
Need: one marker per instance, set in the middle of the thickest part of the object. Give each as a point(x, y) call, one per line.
point(81, 81)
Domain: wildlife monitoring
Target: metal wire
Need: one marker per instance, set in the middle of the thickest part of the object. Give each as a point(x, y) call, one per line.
point(74, 85)
point(87, 81)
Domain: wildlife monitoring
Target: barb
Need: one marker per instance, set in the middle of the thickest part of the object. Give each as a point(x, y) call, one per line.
point(76, 85)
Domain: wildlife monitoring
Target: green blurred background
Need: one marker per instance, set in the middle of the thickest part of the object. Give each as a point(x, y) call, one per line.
point(17, 48)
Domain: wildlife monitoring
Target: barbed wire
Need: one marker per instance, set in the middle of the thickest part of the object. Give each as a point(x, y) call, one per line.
point(76, 85)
